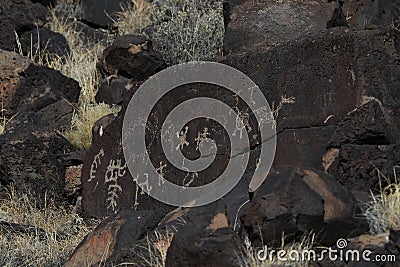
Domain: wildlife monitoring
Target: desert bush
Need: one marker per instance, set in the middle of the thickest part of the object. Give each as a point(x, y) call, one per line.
point(69, 8)
point(383, 212)
point(190, 30)
point(63, 230)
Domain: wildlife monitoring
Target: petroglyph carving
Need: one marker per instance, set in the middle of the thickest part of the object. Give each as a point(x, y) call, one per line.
point(95, 164)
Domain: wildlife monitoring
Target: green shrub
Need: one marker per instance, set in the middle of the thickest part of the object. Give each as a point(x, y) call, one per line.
point(188, 30)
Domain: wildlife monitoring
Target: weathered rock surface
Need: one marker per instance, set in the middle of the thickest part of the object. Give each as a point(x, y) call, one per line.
point(329, 75)
point(34, 155)
point(204, 238)
point(365, 125)
point(364, 14)
point(114, 90)
point(44, 40)
point(99, 12)
point(363, 148)
point(19, 16)
point(360, 167)
point(133, 57)
point(11, 65)
point(374, 251)
point(296, 201)
point(267, 23)
point(29, 87)
point(114, 240)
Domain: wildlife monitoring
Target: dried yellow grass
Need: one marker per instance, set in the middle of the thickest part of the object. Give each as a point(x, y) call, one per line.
point(250, 259)
point(80, 65)
point(80, 133)
point(134, 18)
point(383, 212)
point(63, 229)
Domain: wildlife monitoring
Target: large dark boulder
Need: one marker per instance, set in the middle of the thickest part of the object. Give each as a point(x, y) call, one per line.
point(363, 149)
point(19, 16)
point(204, 238)
point(115, 240)
point(133, 57)
point(25, 86)
point(297, 201)
point(364, 167)
point(329, 75)
point(100, 13)
point(106, 157)
point(41, 87)
point(365, 125)
point(107, 185)
point(41, 103)
point(366, 14)
point(44, 40)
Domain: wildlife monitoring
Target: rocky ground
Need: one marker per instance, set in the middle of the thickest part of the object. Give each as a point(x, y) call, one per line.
point(68, 69)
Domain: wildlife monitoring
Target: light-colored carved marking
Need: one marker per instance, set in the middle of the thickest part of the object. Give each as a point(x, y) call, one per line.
point(182, 139)
point(160, 171)
point(201, 136)
point(114, 171)
point(95, 163)
point(136, 201)
point(192, 177)
point(145, 184)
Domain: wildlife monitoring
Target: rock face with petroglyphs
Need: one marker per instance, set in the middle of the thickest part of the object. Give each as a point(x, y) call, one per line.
point(335, 123)
point(329, 70)
point(306, 129)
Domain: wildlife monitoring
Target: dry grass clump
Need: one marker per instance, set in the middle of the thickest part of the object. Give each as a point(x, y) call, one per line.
point(80, 133)
point(305, 244)
point(192, 30)
point(383, 212)
point(154, 253)
point(3, 121)
point(134, 18)
point(157, 248)
point(57, 231)
point(80, 64)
